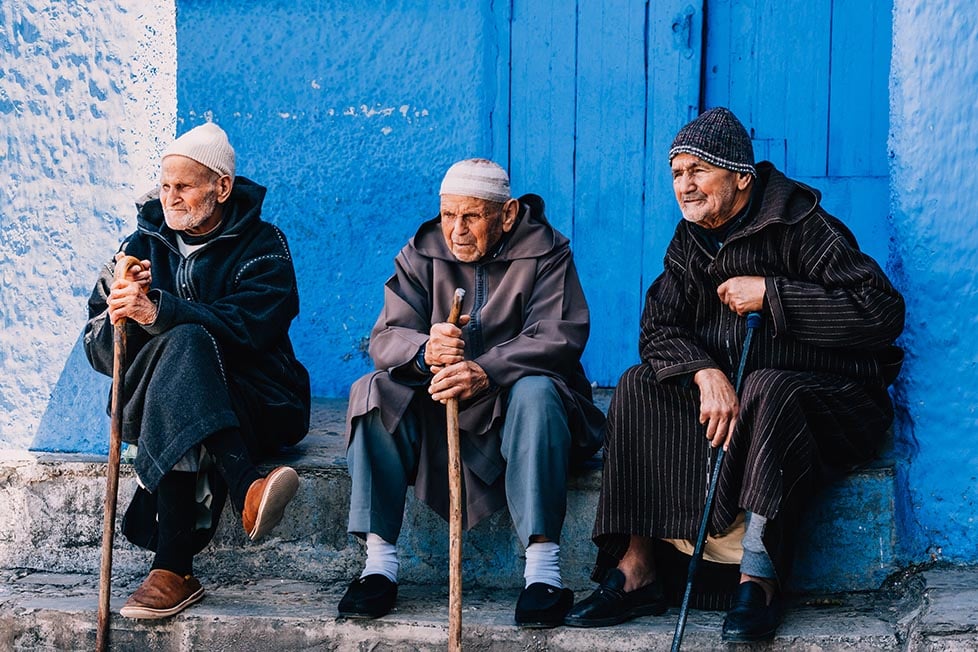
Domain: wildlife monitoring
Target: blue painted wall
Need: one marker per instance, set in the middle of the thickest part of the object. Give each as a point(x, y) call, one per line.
point(934, 119)
point(349, 112)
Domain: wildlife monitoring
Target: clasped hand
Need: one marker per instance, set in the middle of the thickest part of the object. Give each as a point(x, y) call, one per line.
point(454, 376)
point(743, 294)
point(127, 296)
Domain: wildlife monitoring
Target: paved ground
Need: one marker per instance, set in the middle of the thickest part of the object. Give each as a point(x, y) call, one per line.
point(932, 609)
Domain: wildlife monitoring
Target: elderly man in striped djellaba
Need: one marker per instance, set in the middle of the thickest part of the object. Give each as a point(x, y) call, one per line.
point(813, 399)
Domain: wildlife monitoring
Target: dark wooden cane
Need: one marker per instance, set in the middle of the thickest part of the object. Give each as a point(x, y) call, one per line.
point(454, 507)
point(753, 321)
point(112, 480)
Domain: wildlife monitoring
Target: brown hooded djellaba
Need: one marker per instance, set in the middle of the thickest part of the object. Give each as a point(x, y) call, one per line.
point(814, 396)
point(529, 317)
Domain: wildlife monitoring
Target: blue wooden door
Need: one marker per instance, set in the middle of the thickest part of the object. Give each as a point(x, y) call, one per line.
point(810, 82)
point(599, 88)
point(595, 87)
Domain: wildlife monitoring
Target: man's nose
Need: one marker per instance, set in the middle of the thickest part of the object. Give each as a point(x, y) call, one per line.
point(684, 183)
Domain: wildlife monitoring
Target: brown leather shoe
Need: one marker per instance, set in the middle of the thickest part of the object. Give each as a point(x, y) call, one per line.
point(161, 595)
point(266, 500)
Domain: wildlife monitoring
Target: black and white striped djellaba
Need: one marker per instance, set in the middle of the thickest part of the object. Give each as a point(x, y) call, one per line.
point(814, 396)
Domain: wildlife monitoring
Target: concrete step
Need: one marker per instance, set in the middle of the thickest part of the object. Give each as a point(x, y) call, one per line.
point(52, 514)
point(929, 610)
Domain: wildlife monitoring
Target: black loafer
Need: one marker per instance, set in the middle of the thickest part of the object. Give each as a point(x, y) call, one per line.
point(541, 606)
point(610, 604)
point(372, 596)
point(751, 618)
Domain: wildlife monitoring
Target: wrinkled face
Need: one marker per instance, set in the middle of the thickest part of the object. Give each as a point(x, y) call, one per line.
point(191, 195)
point(473, 226)
point(708, 195)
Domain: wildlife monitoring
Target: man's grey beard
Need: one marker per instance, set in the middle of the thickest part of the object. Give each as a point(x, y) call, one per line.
point(195, 218)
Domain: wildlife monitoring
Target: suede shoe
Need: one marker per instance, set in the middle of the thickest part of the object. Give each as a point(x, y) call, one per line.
point(161, 595)
point(266, 500)
point(610, 604)
point(372, 596)
point(751, 618)
point(541, 606)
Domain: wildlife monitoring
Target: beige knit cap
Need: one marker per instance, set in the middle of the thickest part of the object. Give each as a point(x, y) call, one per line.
point(208, 145)
point(477, 177)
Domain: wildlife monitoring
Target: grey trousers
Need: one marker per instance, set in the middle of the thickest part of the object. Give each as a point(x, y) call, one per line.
point(536, 442)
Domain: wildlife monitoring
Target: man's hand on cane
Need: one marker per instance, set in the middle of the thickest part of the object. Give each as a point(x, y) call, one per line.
point(445, 344)
point(719, 406)
point(462, 380)
point(454, 376)
point(127, 296)
point(743, 294)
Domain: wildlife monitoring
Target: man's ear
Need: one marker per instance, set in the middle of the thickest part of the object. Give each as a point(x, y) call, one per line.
point(511, 210)
point(224, 185)
point(744, 180)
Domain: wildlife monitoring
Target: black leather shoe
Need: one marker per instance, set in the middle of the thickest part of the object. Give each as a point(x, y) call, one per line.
point(542, 605)
point(751, 618)
point(372, 596)
point(610, 605)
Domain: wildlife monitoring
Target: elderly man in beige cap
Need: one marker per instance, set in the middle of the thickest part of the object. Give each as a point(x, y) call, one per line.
point(212, 384)
point(513, 362)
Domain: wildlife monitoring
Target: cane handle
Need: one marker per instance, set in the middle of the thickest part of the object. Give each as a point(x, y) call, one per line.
point(456, 311)
point(122, 266)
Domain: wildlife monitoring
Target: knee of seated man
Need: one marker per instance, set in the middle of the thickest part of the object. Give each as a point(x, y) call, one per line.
point(763, 384)
point(533, 400)
point(532, 390)
point(193, 335)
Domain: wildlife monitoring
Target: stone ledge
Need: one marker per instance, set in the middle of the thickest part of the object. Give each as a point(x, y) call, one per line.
point(53, 514)
point(41, 611)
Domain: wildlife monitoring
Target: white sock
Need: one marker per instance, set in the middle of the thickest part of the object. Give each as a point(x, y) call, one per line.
point(381, 558)
point(543, 564)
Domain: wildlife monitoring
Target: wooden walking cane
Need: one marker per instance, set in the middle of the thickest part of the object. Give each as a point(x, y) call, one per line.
point(112, 481)
point(454, 507)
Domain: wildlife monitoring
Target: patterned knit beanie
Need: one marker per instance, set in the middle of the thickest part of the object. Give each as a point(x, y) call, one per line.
point(717, 137)
point(208, 145)
point(477, 177)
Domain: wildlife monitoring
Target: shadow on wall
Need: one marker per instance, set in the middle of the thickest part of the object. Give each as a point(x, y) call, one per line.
point(76, 420)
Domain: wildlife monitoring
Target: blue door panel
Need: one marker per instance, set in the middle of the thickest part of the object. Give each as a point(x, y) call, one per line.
point(673, 99)
point(609, 178)
point(768, 61)
point(543, 53)
point(810, 82)
point(860, 75)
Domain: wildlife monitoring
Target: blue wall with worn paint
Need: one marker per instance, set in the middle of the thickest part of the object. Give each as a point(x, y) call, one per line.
point(349, 113)
point(934, 170)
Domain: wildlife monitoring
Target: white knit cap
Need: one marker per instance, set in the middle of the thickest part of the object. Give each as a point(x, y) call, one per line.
point(477, 177)
point(208, 145)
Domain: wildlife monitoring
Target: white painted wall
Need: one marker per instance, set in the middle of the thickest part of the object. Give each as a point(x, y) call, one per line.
point(87, 101)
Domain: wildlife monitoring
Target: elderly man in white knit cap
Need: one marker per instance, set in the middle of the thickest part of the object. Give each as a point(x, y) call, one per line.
point(212, 384)
point(513, 362)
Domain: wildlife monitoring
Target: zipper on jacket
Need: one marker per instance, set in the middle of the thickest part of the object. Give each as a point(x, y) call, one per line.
point(184, 278)
point(475, 324)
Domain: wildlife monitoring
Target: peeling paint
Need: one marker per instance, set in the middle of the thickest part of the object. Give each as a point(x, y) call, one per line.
point(87, 100)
